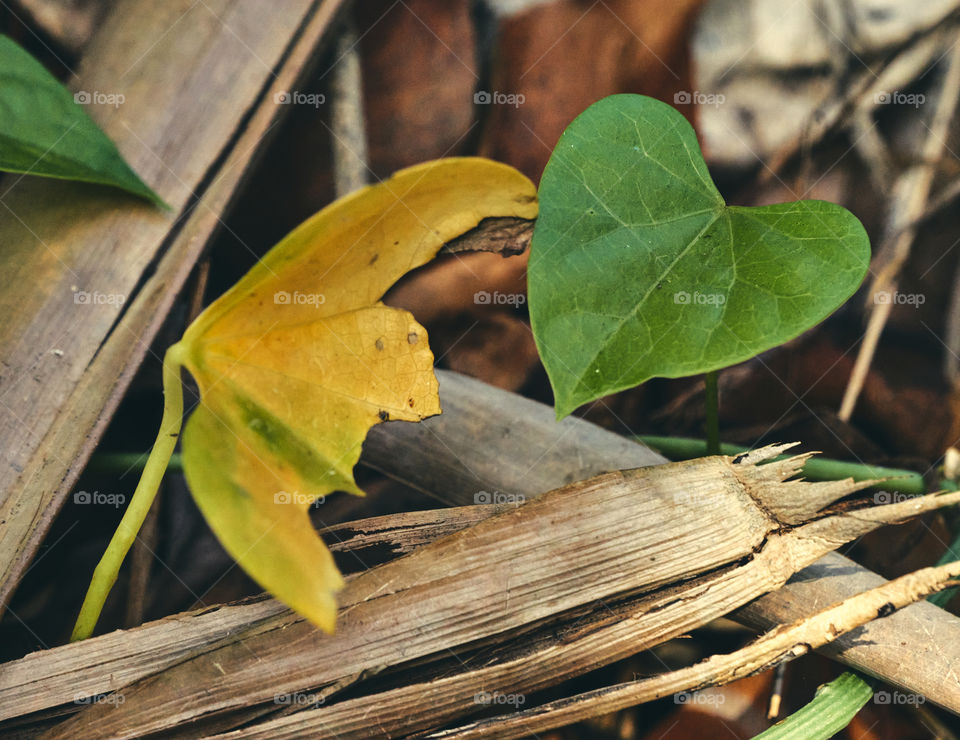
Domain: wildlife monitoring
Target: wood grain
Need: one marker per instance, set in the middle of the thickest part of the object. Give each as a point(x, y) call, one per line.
point(784, 643)
point(51, 677)
point(688, 540)
point(48, 678)
point(490, 439)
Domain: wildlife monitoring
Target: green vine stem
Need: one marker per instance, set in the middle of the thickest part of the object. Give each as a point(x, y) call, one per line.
point(900, 481)
point(105, 574)
point(894, 480)
point(712, 408)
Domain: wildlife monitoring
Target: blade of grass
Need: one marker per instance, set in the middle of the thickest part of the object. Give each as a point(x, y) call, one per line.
point(833, 707)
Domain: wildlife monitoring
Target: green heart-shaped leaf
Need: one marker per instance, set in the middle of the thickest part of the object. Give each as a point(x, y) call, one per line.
point(638, 268)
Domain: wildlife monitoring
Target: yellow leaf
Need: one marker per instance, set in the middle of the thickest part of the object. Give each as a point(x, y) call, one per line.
point(299, 359)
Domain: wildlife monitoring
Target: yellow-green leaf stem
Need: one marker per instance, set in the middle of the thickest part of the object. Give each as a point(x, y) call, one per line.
point(296, 362)
point(105, 574)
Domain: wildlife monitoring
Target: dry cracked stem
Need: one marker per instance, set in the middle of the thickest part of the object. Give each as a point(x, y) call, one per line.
point(668, 548)
point(783, 643)
point(507, 236)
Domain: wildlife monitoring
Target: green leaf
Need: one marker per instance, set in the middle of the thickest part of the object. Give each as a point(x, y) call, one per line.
point(638, 268)
point(43, 131)
point(832, 708)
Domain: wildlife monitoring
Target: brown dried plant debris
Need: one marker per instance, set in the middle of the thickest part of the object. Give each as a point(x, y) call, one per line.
point(579, 577)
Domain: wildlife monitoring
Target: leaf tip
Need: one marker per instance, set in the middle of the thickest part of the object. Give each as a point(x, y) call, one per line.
point(564, 404)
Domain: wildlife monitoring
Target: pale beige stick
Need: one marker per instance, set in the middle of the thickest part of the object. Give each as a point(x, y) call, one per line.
point(783, 643)
point(916, 183)
point(876, 322)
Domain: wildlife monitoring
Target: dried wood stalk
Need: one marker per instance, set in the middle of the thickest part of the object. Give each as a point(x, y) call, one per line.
point(670, 547)
point(506, 236)
point(490, 439)
point(783, 643)
point(48, 678)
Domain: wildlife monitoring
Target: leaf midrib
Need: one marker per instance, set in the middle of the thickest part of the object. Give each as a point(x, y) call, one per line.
point(632, 314)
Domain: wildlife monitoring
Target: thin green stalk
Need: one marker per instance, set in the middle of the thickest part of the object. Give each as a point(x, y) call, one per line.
point(105, 574)
point(712, 408)
point(900, 481)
